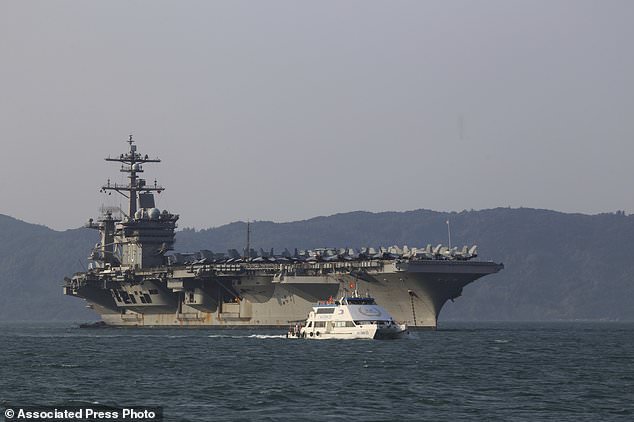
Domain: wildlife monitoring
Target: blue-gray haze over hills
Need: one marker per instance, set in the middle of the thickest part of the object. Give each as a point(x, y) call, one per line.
point(558, 266)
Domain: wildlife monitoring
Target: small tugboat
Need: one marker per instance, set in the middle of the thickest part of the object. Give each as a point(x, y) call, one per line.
point(351, 317)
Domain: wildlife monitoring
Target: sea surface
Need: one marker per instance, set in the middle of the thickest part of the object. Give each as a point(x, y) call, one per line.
point(463, 371)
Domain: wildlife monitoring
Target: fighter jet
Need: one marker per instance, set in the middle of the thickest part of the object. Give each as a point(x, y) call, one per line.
point(466, 253)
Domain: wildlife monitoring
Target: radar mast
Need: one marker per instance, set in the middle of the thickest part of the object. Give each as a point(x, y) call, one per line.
point(131, 163)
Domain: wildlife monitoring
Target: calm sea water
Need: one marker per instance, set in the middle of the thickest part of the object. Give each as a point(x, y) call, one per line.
point(484, 371)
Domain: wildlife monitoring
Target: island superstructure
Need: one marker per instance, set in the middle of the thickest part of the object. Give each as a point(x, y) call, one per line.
point(135, 278)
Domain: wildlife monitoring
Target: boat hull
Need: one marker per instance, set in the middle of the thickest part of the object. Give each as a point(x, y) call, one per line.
point(395, 333)
point(361, 332)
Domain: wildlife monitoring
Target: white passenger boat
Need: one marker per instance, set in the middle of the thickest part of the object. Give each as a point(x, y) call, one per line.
point(350, 317)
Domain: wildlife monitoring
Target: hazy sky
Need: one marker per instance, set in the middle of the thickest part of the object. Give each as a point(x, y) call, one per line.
point(285, 110)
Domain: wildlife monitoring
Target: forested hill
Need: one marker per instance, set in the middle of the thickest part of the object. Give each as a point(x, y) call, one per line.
point(33, 263)
point(558, 266)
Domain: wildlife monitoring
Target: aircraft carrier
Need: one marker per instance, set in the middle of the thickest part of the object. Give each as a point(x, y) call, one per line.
point(135, 279)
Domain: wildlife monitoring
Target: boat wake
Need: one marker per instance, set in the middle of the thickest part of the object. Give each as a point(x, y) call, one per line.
point(259, 336)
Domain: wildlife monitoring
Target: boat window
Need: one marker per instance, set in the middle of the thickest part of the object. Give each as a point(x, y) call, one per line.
point(349, 324)
point(310, 324)
point(325, 310)
point(320, 324)
point(361, 301)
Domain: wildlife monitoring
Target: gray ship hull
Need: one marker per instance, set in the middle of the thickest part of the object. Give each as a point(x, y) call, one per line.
point(414, 292)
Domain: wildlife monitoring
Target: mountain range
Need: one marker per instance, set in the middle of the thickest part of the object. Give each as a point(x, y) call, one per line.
point(558, 266)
